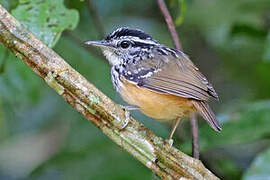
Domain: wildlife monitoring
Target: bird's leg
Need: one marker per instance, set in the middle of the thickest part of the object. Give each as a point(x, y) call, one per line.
point(172, 132)
point(127, 113)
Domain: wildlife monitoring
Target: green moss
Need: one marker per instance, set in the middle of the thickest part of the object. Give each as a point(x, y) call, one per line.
point(50, 79)
point(92, 111)
point(94, 99)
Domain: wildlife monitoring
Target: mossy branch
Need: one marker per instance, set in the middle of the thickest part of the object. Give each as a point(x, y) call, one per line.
point(152, 151)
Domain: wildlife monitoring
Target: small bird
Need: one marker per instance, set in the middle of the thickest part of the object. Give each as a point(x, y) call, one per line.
point(160, 81)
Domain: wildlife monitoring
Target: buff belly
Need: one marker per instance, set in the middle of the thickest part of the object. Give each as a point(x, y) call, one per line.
point(164, 107)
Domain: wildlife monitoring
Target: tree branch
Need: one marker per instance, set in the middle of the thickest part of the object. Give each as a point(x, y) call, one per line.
point(152, 151)
point(193, 119)
point(169, 21)
point(195, 136)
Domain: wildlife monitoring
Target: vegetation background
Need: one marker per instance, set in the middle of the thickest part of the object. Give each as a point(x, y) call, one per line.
point(42, 137)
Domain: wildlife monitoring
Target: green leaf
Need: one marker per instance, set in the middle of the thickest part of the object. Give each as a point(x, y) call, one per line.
point(260, 168)
point(47, 19)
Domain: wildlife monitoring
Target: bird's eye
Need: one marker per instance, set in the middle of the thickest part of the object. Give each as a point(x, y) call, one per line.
point(125, 44)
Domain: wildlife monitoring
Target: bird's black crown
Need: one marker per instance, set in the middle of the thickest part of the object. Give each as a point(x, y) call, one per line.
point(125, 31)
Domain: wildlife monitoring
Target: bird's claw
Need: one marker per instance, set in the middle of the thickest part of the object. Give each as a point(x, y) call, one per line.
point(170, 142)
point(127, 114)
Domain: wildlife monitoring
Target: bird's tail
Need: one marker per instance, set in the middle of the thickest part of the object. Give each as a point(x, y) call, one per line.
point(205, 111)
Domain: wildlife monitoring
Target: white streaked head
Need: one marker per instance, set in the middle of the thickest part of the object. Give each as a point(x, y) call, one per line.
point(123, 44)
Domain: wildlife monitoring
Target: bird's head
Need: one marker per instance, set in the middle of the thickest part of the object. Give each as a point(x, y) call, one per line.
point(124, 43)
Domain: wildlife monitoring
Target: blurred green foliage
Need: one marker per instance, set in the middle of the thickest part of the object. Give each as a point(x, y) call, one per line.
point(46, 19)
point(42, 137)
point(266, 55)
point(260, 168)
point(238, 125)
point(182, 11)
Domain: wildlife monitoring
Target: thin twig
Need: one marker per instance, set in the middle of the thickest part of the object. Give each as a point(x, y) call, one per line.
point(165, 161)
point(169, 22)
point(195, 136)
point(97, 21)
point(193, 119)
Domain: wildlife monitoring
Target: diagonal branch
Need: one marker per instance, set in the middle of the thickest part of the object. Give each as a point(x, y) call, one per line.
point(152, 151)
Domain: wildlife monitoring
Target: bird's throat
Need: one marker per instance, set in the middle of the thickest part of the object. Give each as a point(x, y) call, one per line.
point(111, 57)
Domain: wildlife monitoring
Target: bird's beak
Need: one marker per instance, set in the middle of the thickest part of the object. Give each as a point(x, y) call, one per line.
point(101, 43)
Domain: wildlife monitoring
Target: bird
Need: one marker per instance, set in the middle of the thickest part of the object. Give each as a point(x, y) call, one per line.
point(161, 82)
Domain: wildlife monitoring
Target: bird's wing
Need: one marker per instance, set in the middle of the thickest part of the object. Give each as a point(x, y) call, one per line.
point(171, 74)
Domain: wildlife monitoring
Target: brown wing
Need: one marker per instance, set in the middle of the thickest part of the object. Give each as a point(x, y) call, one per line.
point(175, 75)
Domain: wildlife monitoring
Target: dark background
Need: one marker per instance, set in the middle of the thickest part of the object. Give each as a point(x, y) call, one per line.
point(42, 137)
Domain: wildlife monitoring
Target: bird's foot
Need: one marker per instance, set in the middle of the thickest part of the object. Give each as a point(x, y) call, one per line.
point(127, 114)
point(170, 142)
